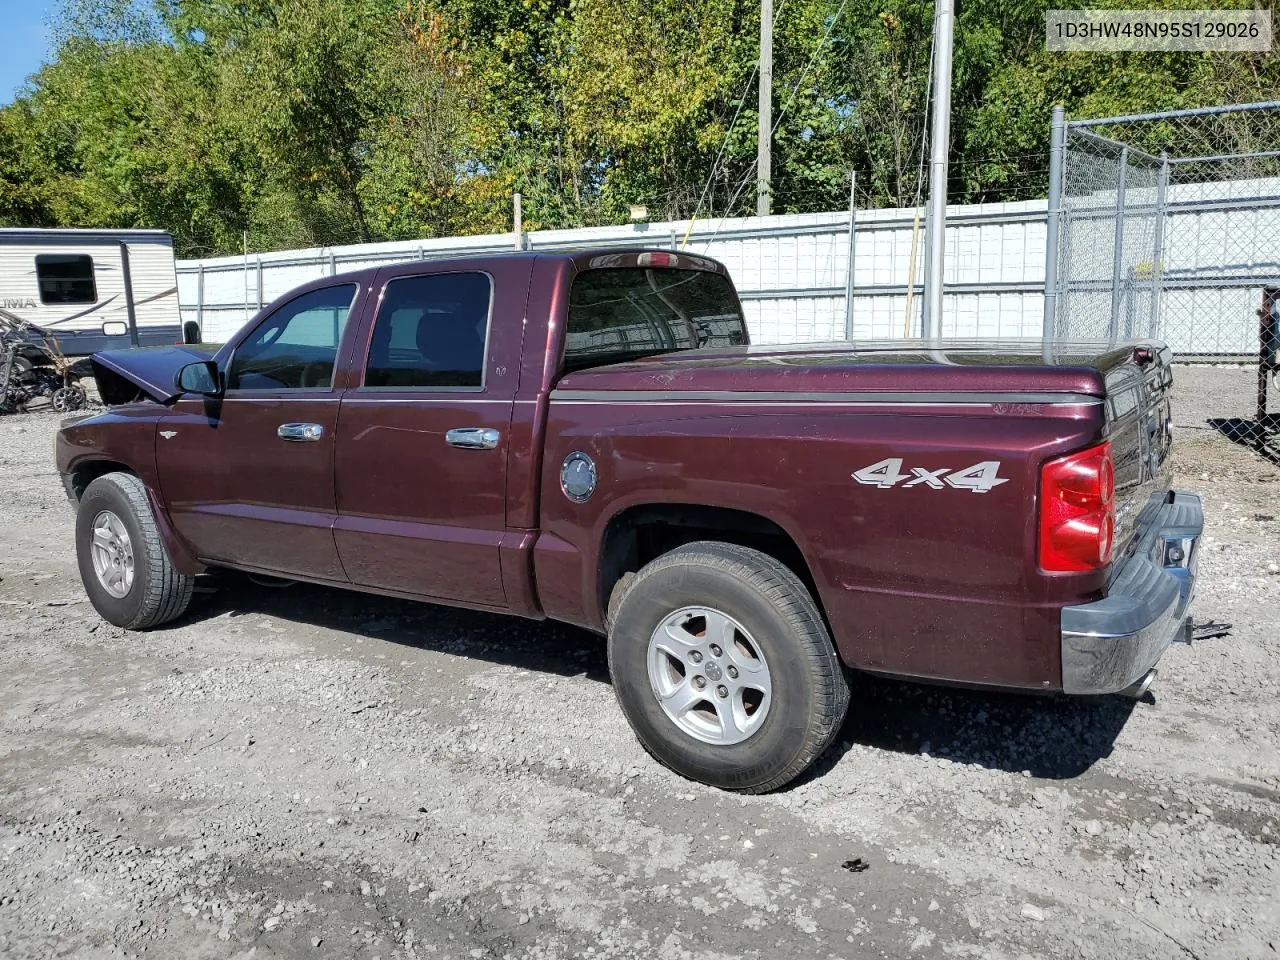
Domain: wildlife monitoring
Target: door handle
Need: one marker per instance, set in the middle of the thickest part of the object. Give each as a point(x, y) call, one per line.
point(300, 431)
point(472, 438)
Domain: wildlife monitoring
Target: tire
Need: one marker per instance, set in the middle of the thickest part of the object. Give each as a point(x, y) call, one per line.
point(770, 617)
point(67, 399)
point(155, 593)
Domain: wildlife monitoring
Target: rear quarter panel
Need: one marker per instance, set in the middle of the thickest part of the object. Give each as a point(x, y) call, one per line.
point(915, 581)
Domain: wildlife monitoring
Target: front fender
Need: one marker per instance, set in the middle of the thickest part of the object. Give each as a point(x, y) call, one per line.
point(122, 438)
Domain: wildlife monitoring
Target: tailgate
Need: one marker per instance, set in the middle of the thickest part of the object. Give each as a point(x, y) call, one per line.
point(1140, 429)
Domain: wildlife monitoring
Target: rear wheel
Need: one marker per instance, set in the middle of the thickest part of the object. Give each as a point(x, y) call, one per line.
point(724, 667)
point(125, 569)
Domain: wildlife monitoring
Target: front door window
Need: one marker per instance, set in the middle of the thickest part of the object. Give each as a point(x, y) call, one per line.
point(297, 346)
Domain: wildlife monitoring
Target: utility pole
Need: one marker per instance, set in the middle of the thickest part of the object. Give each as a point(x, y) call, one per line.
point(764, 135)
point(940, 139)
point(1057, 144)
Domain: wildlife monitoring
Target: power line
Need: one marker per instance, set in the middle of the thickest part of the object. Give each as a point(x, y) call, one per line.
point(755, 67)
point(723, 144)
point(808, 66)
point(781, 114)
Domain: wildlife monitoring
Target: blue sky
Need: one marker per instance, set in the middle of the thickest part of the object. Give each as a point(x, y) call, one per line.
point(24, 42)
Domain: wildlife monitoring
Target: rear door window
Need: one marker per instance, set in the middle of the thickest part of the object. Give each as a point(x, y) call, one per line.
point(296, 347)
point(431, 333)
point(624, 313)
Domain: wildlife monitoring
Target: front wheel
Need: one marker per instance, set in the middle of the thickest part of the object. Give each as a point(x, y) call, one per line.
point(724, 667)
point(124, 566)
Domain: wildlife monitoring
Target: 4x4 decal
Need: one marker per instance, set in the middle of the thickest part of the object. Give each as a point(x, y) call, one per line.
point(887, 473)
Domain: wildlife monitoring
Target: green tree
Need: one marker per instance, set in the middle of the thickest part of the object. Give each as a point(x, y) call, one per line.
point(315, 122)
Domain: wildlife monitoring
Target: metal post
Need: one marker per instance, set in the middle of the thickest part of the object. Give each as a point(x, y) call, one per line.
point(1157, 260)
point(1053, 232)
point(853, 235)
point(940, 140)
point(1117, 261)
point(1127, 301)
point(1266, 354)
point(764, 132)
point(259, 259)
point(518, 220)
point(200, 299)
point(333, 264)
point(244, 273)
point(675, 241)
point(128, 294)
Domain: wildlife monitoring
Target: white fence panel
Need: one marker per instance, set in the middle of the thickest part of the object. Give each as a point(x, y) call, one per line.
point(791, 270)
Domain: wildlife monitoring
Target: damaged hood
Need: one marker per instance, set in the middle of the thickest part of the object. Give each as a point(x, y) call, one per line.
point(120, 374)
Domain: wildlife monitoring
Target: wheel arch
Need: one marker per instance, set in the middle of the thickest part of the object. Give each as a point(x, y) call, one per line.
point(85, 471)
point(639, 533)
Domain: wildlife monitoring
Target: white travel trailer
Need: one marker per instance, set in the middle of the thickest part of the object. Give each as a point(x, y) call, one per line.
point(77, 285)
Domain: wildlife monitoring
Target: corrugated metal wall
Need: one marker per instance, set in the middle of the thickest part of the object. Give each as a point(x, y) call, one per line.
point(791, 270)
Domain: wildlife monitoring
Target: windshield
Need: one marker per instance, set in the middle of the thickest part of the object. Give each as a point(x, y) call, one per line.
point(622, 314)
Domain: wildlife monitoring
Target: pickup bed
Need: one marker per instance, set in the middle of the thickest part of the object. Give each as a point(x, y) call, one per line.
point(590, 437)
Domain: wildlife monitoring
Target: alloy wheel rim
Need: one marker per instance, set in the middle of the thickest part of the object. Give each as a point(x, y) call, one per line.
point(112, 553)
point(709, 675)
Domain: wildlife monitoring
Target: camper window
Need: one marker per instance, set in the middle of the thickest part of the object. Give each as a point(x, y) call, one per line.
point(66, 278)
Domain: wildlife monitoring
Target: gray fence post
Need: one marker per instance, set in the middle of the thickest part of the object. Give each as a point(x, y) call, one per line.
point(199, 299)
point(853, 243)
point(333, 263)
point(1054, 221)
point(1117, 262)
point(1157, 261)
point(259, 281)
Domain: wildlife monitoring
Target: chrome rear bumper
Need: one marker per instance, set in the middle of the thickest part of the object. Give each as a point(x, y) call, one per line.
point(1108, 645)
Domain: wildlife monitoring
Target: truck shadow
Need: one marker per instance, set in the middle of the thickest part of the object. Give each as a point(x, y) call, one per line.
point(544, 646)
point(1049, 737)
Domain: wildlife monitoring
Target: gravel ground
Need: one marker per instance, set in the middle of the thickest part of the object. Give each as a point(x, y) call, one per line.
point(306, 773)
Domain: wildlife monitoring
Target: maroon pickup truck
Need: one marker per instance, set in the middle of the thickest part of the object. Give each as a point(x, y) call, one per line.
point(590, 437)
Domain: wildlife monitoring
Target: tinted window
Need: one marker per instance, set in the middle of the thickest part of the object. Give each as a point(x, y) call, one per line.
point(296, 347)
point(430, 332)
point(66, 278)
point(618, 314)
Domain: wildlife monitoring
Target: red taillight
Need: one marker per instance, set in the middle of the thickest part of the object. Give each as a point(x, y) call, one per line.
point(1077, 511)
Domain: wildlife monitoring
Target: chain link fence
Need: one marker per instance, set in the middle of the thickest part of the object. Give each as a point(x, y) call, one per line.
point(1167, 226)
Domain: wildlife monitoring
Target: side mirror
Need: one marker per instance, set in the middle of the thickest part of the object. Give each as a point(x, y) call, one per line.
point(200, 378)
point(114, 328)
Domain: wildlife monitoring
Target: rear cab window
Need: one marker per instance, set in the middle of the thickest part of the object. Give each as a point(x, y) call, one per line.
point(623, 313)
